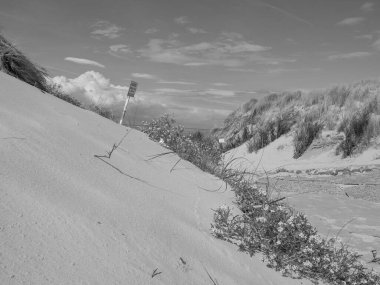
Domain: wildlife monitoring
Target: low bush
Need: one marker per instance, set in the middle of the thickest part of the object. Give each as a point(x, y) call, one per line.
point(290, 244)
point(286, 239)
point(305, 132)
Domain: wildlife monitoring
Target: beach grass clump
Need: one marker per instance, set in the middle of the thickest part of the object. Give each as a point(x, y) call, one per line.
point(270, 130)
point(359, 126)
point(16, 64)
point(305, 132)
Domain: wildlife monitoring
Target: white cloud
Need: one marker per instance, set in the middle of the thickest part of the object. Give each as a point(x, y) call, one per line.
point(196, 64)
point(351, 21)
point(275, 71)
point(367, 7)
point(376, 45)
point(183, 20)
point(224, 52)
point(92, 87)
point(219, 92)
point(351, 55)
point(84, 61)
point(249, 70)
point(143, 75)
point(106, 29)
point(171, 90)
point(176, 82)
point(196, 30)
point(151, 31)
point(221, 84)
point(231, 36)
point(364, 37)
point(285, 12)
point(120, 48)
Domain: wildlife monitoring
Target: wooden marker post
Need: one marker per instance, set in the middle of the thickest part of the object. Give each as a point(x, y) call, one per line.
point(131, 93)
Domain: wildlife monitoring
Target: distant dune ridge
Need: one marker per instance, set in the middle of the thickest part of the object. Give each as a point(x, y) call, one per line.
point(353, 111)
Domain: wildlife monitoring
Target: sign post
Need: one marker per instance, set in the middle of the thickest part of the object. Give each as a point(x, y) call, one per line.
point(131, 93)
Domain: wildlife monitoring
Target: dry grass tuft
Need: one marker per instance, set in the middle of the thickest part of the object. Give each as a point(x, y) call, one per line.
point(16, 64)
point(305, 132)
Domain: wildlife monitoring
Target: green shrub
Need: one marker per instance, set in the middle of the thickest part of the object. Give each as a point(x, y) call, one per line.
point(286, 239)
point(16, 64)
point(305, 132)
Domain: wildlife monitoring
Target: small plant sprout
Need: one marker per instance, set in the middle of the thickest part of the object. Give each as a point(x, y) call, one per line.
point(114, 147)
point(156, 272)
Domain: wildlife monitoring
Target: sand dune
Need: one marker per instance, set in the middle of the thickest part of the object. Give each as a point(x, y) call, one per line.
point(67, 217)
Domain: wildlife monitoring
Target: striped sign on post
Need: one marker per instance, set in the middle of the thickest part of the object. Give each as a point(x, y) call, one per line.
point(131, 93)
point(132, 89)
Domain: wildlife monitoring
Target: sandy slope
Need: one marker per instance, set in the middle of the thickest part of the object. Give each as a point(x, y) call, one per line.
point(67, 217)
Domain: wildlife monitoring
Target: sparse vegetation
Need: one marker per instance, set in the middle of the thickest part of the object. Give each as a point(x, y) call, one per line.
point(101, 111)
point(56, 91)
point(263, 224)
point(201, 150)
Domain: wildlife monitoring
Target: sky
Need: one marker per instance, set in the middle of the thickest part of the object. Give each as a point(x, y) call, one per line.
point(198, 60)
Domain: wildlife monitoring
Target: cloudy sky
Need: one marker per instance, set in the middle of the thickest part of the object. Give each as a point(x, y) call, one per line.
point(197, 59)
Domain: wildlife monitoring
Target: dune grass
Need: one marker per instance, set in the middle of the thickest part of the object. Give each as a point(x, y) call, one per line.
point(258, 116)
point(306, 130)
point(359, 126)
point(267, 131)
point(16, 64)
